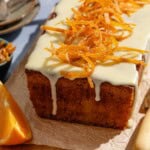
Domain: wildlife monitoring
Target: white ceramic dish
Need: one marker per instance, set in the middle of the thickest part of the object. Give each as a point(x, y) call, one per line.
point(26, 20)
point(15, 14)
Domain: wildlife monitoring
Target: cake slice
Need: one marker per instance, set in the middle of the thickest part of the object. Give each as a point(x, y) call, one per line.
point(110, 101)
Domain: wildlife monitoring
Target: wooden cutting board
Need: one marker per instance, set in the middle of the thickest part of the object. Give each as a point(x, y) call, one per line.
point(72, 136)
point(29, 147)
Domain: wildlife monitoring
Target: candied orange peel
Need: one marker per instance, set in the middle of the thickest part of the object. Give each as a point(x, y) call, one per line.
point(94, 33)
point(5, 51)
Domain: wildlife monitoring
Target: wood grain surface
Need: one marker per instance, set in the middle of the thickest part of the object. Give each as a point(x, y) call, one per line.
point(28, 147)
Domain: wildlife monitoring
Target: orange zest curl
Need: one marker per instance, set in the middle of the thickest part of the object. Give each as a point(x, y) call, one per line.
point(93, 36)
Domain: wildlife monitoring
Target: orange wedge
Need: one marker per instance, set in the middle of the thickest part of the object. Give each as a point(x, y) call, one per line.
point(14, 128)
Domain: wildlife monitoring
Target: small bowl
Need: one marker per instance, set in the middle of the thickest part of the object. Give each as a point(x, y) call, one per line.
point(4, 65)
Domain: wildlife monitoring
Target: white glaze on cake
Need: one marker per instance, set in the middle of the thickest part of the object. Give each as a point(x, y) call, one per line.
point(120, 74)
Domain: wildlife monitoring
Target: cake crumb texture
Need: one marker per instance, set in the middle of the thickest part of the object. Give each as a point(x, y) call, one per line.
point(76, 101)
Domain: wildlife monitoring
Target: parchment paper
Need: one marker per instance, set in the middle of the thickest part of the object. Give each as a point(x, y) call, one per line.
point(74, 136)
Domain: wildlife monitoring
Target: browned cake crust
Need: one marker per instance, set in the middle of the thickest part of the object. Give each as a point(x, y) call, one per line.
point(76, 101)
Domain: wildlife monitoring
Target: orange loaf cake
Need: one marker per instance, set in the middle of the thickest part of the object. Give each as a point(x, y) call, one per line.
point(87, 70)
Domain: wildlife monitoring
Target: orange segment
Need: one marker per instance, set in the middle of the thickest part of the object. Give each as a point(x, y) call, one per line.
point(14, 128)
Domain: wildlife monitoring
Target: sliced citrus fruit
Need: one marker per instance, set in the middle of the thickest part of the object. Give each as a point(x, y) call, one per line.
point(14, 128)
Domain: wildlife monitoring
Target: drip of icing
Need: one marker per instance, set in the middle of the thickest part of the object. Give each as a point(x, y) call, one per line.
point(53, 80)
point(97, 84)
point(131, 120)
point(130, 123)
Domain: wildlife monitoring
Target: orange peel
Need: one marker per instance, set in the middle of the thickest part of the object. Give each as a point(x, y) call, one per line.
point(14, 128)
